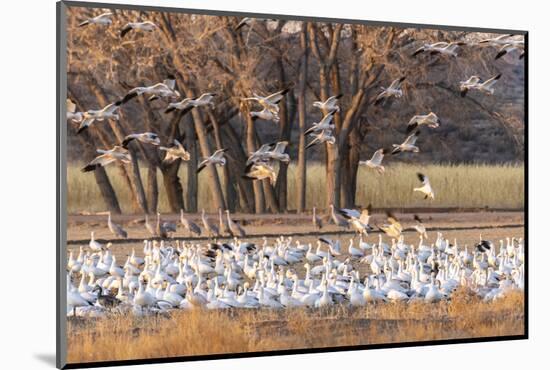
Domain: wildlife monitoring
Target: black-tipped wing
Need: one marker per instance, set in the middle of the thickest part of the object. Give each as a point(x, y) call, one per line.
point(125, 30)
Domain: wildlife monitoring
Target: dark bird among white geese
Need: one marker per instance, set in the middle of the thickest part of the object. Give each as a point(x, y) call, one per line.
point(164, 89)
point(102, 19)
point(218, 158)
point(426, 187)
point(408, 145)
point(146, 26)
point(337, 218)
point(394, 90)
point(190, 226)
point(175, 151)
point(107, 112)
point(210, 227)
point(146, 137)
point(117, 153)
point(115, 228)
point(234, 227)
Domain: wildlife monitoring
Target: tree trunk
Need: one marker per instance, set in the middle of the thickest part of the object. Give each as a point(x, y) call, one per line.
point(259, 202)
point(107, 191)
point(301, 173)
point(152, 188)
point(191, 196)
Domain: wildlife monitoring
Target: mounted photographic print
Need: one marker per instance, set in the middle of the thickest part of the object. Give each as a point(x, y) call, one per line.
point(238, 184)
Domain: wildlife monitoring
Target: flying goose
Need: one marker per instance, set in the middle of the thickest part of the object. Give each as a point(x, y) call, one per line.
point(217, 158)
point(393, 228)
point(474, 83)
point(146, 137)
point(247, 21)
point(147, 26)
point(278, 153)
point(209, 226)
point(260, 154)
point(426, 188)
point(235, 228)
point(419, 227)
point(175, 151)
point(408, 145)
point(117, 153)
point(497, 41)
point(260, 171)
point(376, 161)
point(324, 124)
point(270, 102)
point(191, 227)
point(393, 90)
point(102, 19)
point(331, 104)
point(337, 218)
point(164, 89)
point(115, 228)
point(265, 114)
point(431, 120)
point(445, 48)
point(316, 220)
point(511, 46)
point(107, 112)
point(72, 114)
point(324, 136)
point(359, 221)
point(206, 99)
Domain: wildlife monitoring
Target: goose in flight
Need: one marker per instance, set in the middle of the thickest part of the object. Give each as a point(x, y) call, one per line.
point(260, 154)
point(426, 188)
point(497, 41)
point(107, 112)
point(431, 120)
point(270, 102)
point(164, 89)
point(218, 158)
point(260, 171)
point(206, 99)
point(337, 218)
point(408, 145)
point(147, 26)
point(266, 115)
point(146, 137)
point(324, 136)
point(115, 228)
point(278, 153)
point(393, 90)
point(117, 153)
point(393, 228)
point(102, 19)
point(475, 83)
point(331, 104)
point(511, 46)
point(72, 114)
point(359, 221)
point(324, 124)
point(376, 161)
point(247, 21)
point(175, 151)
point(419, 227)
point(445, 48)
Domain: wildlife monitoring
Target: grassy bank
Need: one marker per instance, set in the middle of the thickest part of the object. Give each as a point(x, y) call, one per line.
point(455, 186)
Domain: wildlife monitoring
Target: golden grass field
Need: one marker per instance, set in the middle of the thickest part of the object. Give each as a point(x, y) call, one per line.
point(200, 332)
point(492, 186)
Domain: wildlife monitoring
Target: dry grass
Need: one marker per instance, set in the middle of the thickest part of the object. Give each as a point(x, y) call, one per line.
point(198, 332)
point(455, 185)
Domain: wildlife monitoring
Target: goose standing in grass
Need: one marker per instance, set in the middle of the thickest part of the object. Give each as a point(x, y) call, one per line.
point(107, 112)
point(235, 228)
point(324, 124)
point(117, 153)
point(72, 114)
point(442, 47)
point(103, 19)
point(95, 246)
point(316, 220)
point(146, 26)
point(265, 114)
point(475, 83)
point(430, 120)
point(260, 171)
point(426, 188)
point(209, 226)
point(146, 137)
point(190, 226)
point(269, 102)
point(408, 145)
point(206, 99)
point(218, 158)
point(394, 90)
point(175, 152)
point(164, 89)
point(337, 218)
point(376, 161)
point(324, 136)
point(331, 104)
point(115, 228)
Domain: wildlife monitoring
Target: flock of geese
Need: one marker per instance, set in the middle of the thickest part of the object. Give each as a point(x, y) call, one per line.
point(240, 274)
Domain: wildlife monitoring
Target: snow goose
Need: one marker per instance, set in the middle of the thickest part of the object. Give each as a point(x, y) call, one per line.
point(426, 188)
point(475, 83)
point(260, 171)
point(218, 158)
point(102, 19)
point(146, 26)
point(430, 120)
point(164, 89)
point(206, 99)
point(419, 227)
point(266, 115)
point(95, 246)
point(331, 104)
point(146, 137)
point(260, 155)
point(393, 228)
point(106, 157)
point(376, 161)
point(324, 124)
point(325, 136)
point(394, 90)
point(497, 41)
point(511, 46)
point(107, 112)
point(442, 47)
point(357, 220)
point(278, 153)
point(408, 145)
point(175, 152)
point(355, 252)
point(270, 102)
point(72, 114)
point(115, 228)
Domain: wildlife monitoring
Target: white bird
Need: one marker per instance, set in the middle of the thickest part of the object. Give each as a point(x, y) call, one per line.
point(146, 137)
point(426, 188)
point(164, 89)
point(115, 228)
point(217, 158)
point(431, 120)
point(331, 104)
point(117, 153)
point(206, 99)
point(511, 46)
point(408, 145)
point(497, 41)
point(265, 114)
point(393, 228)
point(324, 124)
point(270, 102)
point(107, 112)
point(95, 246)
point(445, 48)
point(324, 136)
point(376, 161)
point(394, 90)
point(474, 83)
point(72, 114)
point(419, 227)
point(147, 26)
point(175, 152)
point(260, 171)
point(102, 19)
